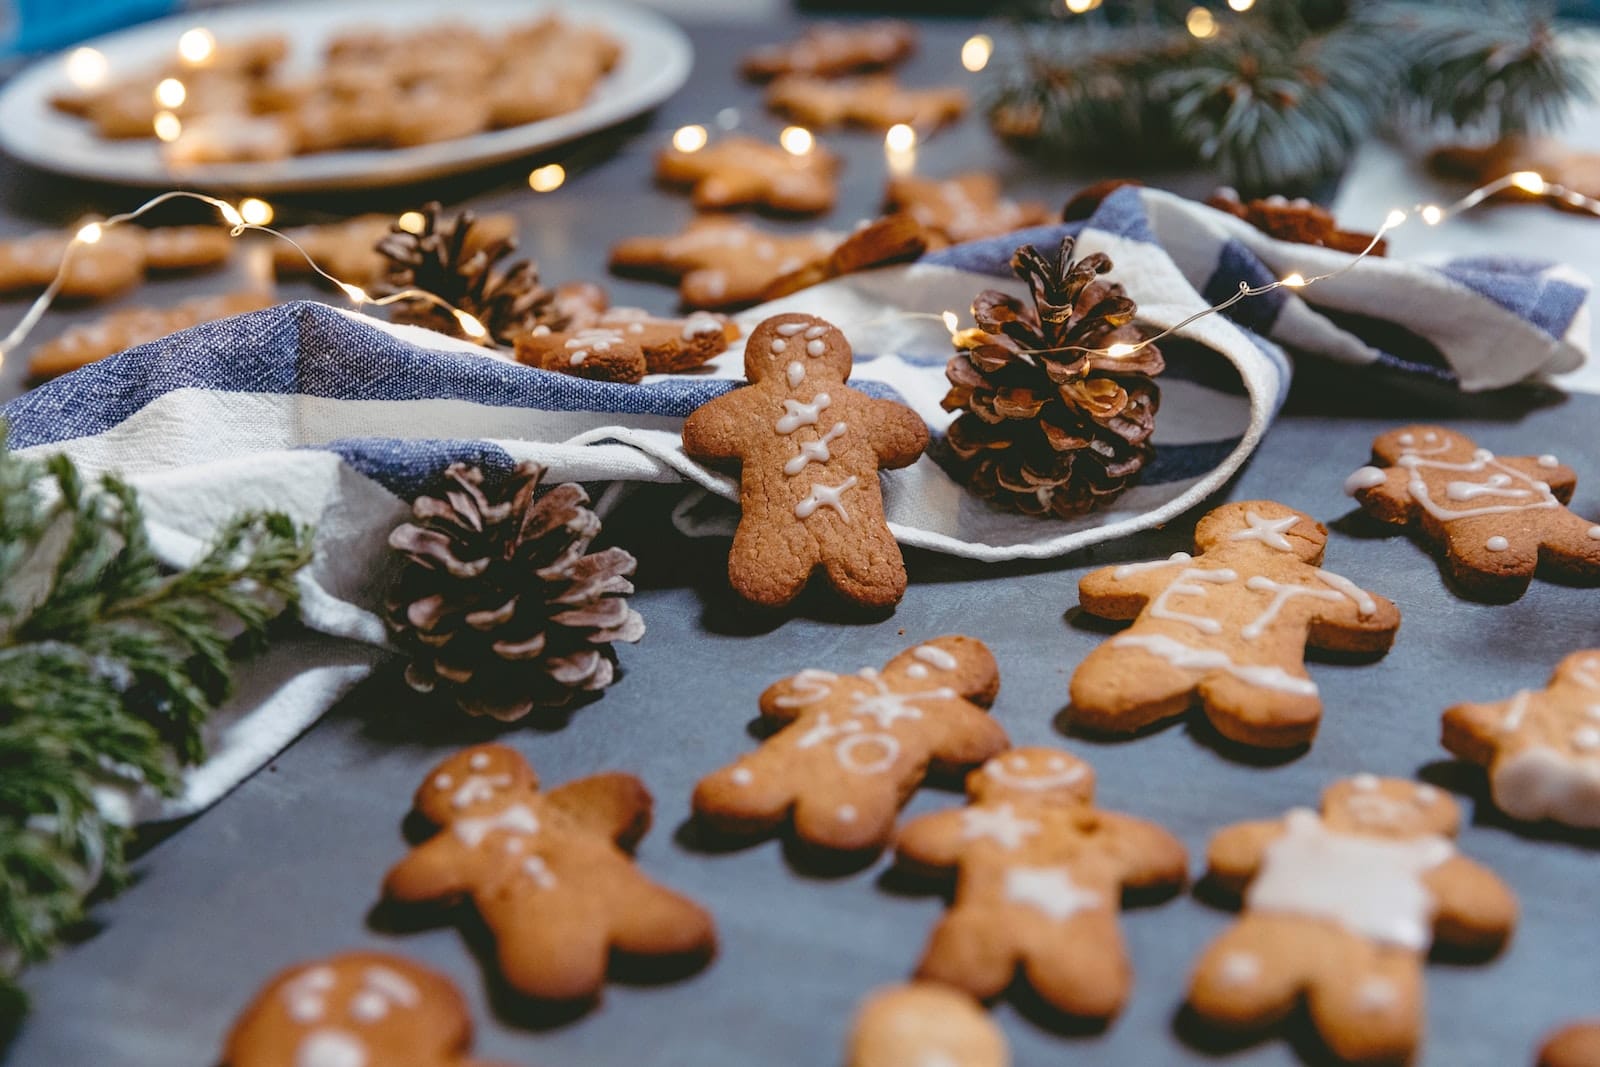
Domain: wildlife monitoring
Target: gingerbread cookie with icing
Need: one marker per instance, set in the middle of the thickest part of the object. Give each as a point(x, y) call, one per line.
point(547, 871)
point(738, 172)
point(923, 1024)
point(1039, 875)
point(625, 344)
point(1340, 909)
point(1229, 627)
point(1496, 519)
point(967, 207)
point(809, 449)
point(722, 263)
point(850, 749)
point(356, 1009)
point(1577, 1045)
point(1541, 748)
point(875, 102)
point(832, 49)
point(122, 330)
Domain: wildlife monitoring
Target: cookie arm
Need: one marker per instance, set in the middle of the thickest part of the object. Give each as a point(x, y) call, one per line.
point(1469, 730)
point(1388, 500)
point(788, 698)
point(1561, 478)
point(899, 435)
point(930, 845)
point(966, 737)
point(1343, 626)
point(1120, 593)
point(1476, 910)
point(1236, 853)
point(712, 430)
point(615, 805)
point(437, 869)
point(1150, 856)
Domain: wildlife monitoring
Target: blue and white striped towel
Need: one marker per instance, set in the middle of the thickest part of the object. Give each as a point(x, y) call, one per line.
point(339, 420)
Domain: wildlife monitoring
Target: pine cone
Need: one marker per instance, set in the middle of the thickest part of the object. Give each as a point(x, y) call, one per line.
point(446, 258)
point(1046, 431)
point(498, 602)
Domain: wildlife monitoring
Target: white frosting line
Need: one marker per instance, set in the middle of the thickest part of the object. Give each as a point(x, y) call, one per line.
point(1050, 890)
point(789, 329)
point(517, 818)
point(799, 413)
point(1127, 570)
point(999, 824)
point(1281, 595)
point(1539, 782)
point(1185, 585)
point(825, 496)
point(809, 686)
point(1268, 531)
point(1205, 659)
point(1497, 544)
point(935, 656)
point(1495, 486)
point(815, 348)
point(814, 451)
point(797, 374)
point(1363, 478)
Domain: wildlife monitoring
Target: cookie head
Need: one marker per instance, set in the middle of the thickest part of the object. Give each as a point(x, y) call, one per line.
point(783, 340)
point(1435, 442)
point(1033, 775)
point(359, 1008)
point(1389, 807)
point(475, 782)
point(1263, 524)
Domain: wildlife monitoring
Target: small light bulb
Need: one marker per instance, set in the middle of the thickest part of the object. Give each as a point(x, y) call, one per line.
point(1432, 214)
point(1120, 349)
point(548, 178)
point(976, 52)
point(354, 292)
point(1295, 280)
point(196, 46)
point(230, 213)
point(1241, 5)
point(411, 222)
point(1528, 181)
point(690, 138)
point(900, 138)
point(255, 212)
point(170, 93)
point(1201, 23)
point(90, 233)
point(797, 140)
point(168, 126)
point(87, 68)
point(1394, 218)
point(1078, 7)
point(950, 320)
point(470, 326)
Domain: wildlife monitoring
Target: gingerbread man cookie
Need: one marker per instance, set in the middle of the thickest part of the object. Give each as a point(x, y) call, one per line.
point(832, 49)
point(1298, 221)
point(967, 207)
point(1340, 909)
point(1497, 519)
point(1577, 1045)
point(853, 747)
point(625, 344)
point(922, 1024)
point(738, 172)
point(1041, 873)
point(122, 330)
point(721, 262)
point(1542, 749)
point(809, 449)
point(876, 102)
point(1230, 626)
point(547, 871)
point(356, 1009)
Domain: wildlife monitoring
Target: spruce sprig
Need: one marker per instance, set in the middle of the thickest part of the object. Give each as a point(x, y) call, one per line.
point(109, 666)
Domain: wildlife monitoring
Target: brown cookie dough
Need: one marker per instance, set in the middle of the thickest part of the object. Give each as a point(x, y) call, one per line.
point(832, 49)
point(720, 262)
point(967, 207)
point(875, 102)
point(738, 172)
point(922, 1024)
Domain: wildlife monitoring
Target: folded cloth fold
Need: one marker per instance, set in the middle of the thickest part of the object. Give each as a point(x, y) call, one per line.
point(340, 420)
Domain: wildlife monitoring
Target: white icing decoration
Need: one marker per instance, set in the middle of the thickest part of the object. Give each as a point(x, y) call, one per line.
point(380, 988)
point(1202, 659)
point(935, 656)
point(1268, 531)
point(825, 729)
point(741, 776)
point(847, 813)
point(1376, 809)
point(595, 339)
point(331, 1048)
point(825, 496)
point(1426, 794)
point(1376, 994)
point(886, 706)
point(779, 346)
point(1364, 478)
point(368, 1007)
point(517, 818)
point(796, 372)
point(809, 686)
point(1365, 782)
point(798, 414)
point(815, 348)
point(479, 787)
point(916, 670)
point(1050, 890)
point(1586, 737)
point(1184, 585)
point(443, 781)
point(1514, 714)
point(479, 761)
point(1594, 533)
point(1013, 774)
point(1281, 594)
point(850, 760)
point(1497, 544)
point(1548, 461)
point(1371, 886)
point(816, 331)
point(1495, 486)
point(536, 868)
point(1540, 783)
point(814, 451)
point(700, 322)
point(1365, 605)
point(1128, 570)
point(304, 993)
point(999, 823)
point(1239, 968)
point(789, 329)
point(1408, 439)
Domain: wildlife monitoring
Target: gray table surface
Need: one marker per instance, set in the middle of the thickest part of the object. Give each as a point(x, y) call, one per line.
point(287, 867)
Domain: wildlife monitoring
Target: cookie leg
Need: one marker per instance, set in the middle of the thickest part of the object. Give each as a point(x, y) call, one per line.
point(848, 819)
point(869, 572)
point(770, 562)
point(1083, 968)
point(1122, 689)
point(1373, 1015)
point(967, 951)
point(1574, 551)
point(1249, 977)
point(651, 920)
point(556, 954)
point(751, 796)
point(1478, 564)
point(1278, 715)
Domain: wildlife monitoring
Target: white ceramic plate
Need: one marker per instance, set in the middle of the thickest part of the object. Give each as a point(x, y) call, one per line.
point(655, 63)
